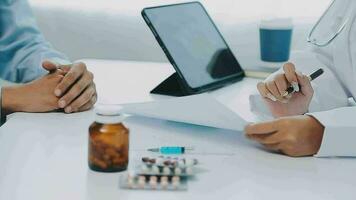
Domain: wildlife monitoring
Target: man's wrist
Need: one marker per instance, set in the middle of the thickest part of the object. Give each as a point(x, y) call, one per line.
point(12, 99)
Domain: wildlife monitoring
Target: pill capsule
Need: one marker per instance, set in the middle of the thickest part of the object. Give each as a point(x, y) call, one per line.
point(153, 182)
point(142, 178)
point(144, 169)
point(177, 171)
point(141, 182)
point(189, 171)
point(164, 182)
point(164, 178)
point(175, 185)
point(175, 182)
point(153, 178)
point(159, 161)
point(174, 163)
point(130, 183)
point(130, 174)
point(153, 185)
point(167, 162)
point(166, 170)
point(164, 185)
point(181, 164)
point(175, 179)
point(155, 170)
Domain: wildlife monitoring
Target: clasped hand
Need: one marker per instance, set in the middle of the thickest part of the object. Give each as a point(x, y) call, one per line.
point(69, 87)
point(75, 89)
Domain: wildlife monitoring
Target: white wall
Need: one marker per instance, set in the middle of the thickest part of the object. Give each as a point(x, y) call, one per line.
point(236, 9)
point(114, 29)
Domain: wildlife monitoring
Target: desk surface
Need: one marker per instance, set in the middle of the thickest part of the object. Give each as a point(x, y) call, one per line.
point(44, 156)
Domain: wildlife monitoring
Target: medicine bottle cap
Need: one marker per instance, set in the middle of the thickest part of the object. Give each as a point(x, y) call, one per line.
point(108, 114)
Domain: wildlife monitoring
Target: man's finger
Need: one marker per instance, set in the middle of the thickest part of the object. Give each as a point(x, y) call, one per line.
point(49, 65)
point(282, 83)
point(305, 84)
point(75, 72)
point(264, 92)
point(84, 97)
point(65, 68)
point(289, 70)
point(272, 87)
point(76, 89)
point(261, 87)
point(89, 104)
point(261, 128)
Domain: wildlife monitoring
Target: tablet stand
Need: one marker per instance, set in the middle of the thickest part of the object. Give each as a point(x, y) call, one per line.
point(172, 86)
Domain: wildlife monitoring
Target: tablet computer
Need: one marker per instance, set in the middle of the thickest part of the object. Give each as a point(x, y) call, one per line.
point(194, 46)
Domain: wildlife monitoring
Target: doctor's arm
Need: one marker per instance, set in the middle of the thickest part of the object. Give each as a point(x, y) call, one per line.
point(305, 134)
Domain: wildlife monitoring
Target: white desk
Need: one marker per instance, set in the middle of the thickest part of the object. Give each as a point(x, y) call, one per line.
point(44, 156)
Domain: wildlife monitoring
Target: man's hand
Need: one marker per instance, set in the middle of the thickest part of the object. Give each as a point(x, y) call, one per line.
point(77, 90)
point(294, 136)
point(274, 88)
point(36, 96)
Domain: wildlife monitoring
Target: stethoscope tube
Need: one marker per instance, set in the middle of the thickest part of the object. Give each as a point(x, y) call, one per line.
point(314, 41)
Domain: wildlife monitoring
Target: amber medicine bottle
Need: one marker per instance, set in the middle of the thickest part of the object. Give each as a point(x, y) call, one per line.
point(108, 141)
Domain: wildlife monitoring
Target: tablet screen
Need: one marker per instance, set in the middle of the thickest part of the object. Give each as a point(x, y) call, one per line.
point(194, 44)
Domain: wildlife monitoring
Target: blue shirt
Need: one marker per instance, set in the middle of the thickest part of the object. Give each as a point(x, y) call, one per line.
point(22, 46)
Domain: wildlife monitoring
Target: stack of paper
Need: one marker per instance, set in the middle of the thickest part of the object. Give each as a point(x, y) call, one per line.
point(200, 109)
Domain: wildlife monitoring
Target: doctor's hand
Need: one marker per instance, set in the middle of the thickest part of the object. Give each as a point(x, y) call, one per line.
point(273, 90)
point(77, 91)
point(294, 136)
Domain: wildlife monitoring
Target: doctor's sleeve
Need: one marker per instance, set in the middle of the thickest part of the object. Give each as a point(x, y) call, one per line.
point(330, 106)
point(22, 46)
point(340, 132)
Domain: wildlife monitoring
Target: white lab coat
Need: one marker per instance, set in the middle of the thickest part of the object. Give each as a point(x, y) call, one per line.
point(332, 90)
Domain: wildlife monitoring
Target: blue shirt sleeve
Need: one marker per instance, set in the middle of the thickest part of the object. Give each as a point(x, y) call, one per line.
point(22, 46)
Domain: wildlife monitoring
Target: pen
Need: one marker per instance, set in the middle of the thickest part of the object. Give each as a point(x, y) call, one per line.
point(311, 77)
point(171, 150)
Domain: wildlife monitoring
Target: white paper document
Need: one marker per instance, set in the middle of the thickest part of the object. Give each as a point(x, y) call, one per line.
point(200, 109)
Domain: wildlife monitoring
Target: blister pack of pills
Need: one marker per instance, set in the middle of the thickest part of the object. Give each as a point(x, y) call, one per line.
point(170, 162)
point(140, 182)
point(160, 173)
point(144, 169)
point(167, 166)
